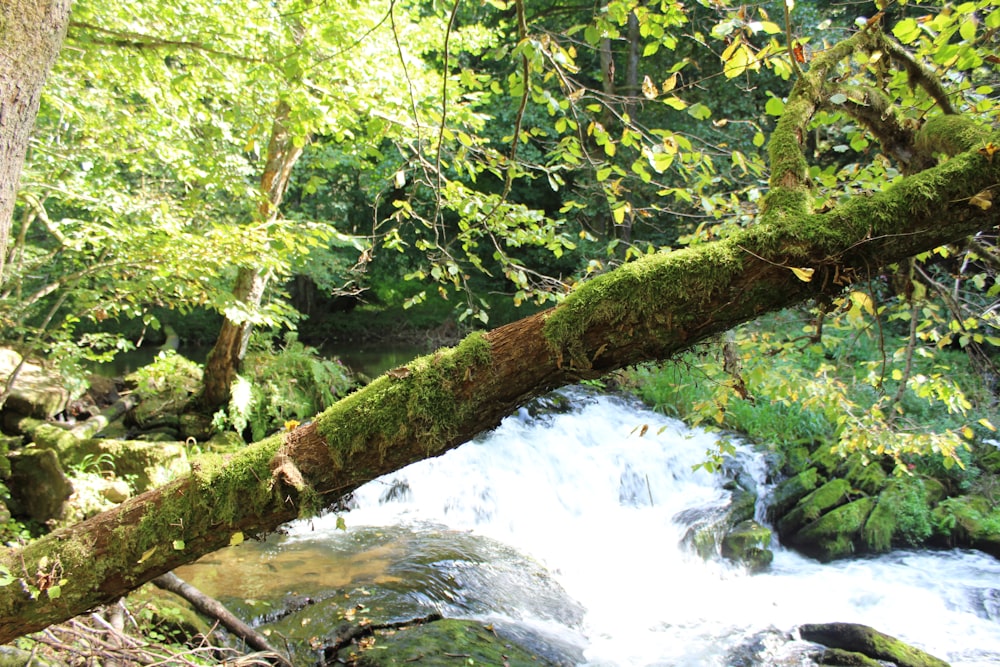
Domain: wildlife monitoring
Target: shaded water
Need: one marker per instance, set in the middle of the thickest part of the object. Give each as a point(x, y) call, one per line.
point(565, 529)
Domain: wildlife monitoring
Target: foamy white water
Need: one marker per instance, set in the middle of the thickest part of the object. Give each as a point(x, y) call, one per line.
point(592, 496)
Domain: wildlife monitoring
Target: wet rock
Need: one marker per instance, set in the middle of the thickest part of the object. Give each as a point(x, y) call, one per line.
point(836, 657)
point(968, 521)
point(790, 491)
point(440, 642)
point(869, 642)
point(38, 486)
point(748, 543)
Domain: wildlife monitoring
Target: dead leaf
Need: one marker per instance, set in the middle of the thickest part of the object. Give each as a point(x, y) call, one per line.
point(803, 274)
point(649, 88)
point(983, 200)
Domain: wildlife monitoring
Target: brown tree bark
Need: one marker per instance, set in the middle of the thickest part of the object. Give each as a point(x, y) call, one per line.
point(31, 33)
point(225, 357)
point(649, 309)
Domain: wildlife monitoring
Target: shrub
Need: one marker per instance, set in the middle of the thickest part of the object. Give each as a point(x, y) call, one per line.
point(292, 383)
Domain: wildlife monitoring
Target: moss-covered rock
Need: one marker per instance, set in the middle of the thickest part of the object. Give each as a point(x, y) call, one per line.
point(901, 516)
point(748, 543)
point(834, 535)
point(834, 493)
point(709, 528)
point(837, 657)
point(863, 473)
point(869, 642)
point(145, 464)
point(445, 642)
point(790, 491)
point(968, 521)
point(38, 486)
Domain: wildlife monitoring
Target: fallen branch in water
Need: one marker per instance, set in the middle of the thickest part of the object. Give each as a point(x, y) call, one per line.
point(214, 609)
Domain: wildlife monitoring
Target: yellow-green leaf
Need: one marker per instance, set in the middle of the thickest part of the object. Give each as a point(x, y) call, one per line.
point(236, 538)
point(987, 423)
point(179, 545)
point(146, 554)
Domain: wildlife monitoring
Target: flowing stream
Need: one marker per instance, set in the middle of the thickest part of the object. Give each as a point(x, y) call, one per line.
point(564, 528)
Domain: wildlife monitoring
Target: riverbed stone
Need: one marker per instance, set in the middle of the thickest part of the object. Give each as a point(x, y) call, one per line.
point(870, 642)
point(834, 534)
point(863, 473)
point(445, 642)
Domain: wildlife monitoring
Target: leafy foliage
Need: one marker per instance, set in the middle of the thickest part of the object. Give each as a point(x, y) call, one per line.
point(282, 387)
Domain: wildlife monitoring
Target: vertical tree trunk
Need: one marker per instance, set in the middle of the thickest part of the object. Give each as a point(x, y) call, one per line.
point(31, 33)
point(230, 347)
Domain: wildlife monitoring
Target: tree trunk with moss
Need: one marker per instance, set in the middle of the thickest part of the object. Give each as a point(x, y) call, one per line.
point(31, 33)
point(647, 310)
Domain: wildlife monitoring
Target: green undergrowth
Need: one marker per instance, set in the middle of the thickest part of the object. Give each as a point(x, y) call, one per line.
point(282, 384)
point(787, 391)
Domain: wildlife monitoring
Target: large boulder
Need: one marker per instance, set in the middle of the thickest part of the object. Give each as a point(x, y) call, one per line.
point(869, 642)
point(37, 391)
point(38, 486)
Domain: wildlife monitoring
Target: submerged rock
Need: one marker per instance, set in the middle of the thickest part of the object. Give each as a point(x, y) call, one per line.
point(748, 543)
point(869, 642)
point(438, 642)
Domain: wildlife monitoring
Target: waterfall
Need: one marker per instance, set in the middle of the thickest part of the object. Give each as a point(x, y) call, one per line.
point(563, 523)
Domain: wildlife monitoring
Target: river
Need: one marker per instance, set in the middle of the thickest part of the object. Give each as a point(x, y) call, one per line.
point(562, 528)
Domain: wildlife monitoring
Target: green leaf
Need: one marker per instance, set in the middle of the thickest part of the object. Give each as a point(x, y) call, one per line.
point(675, 103)
point(700, 111)
point(774, 106)
point(906, 31)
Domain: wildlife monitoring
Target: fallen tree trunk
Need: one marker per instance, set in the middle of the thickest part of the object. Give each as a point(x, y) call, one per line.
point(646, 310)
